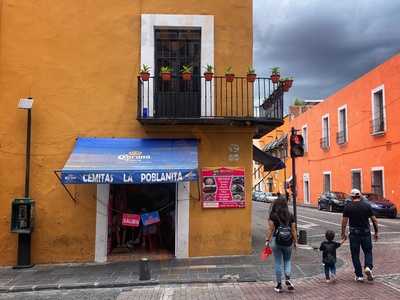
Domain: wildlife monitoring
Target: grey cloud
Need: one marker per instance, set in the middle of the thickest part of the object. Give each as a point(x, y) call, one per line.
point(324, 44)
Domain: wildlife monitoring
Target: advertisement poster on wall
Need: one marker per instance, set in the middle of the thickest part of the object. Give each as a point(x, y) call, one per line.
point(222, 187)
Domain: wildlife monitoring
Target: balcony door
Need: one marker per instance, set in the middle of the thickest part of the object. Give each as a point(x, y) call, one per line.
point(177, 98)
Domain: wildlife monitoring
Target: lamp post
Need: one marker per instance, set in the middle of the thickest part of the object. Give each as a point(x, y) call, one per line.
point(24, 239)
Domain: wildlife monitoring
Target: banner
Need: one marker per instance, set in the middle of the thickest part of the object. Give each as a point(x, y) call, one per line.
point(130, 220)
point(150, 218)
point(222, 187)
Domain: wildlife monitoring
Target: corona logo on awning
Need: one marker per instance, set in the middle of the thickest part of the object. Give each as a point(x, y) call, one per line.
point(134, 155)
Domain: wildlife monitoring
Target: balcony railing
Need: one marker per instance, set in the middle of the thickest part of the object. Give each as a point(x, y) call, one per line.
point(341, 137)
point(200, 101)
point(324, 143)
point(377, 126)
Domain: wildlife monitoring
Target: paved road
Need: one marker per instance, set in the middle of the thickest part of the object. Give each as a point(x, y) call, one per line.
point(316, 223)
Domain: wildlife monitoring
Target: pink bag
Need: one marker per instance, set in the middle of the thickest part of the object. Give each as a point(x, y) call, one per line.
point(267, 251)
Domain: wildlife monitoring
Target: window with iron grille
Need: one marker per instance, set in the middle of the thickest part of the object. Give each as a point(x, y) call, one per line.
point(341, 136)
point(356, 179)
point(378, 113)
point(325, 143)
point(327, 182)
point(305, 138)
point(377, 182)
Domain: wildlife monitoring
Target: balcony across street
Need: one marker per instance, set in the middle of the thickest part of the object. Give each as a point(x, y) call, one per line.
point(198, 101)
point(377, 126)
point(324, 143)
point(341, 137)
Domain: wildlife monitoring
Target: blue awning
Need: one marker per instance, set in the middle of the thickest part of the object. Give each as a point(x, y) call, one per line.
point(125, 160)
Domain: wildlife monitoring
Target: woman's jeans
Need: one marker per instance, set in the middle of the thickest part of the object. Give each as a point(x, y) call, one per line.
point(281, 253)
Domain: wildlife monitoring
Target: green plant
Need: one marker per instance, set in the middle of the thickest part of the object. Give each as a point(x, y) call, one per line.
point(228, 70)
point(298, 102)
point(251, 70)
point(145, 69)
point(186, 69)
point(165, 69)
point(275, 70)
point(209, 68)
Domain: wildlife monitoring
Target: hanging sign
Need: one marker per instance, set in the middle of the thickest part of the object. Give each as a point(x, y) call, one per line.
point(130, 220)
point(222, 187)
point(150, 218)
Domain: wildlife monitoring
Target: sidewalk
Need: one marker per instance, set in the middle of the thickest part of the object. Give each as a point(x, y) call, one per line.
point(306, 263)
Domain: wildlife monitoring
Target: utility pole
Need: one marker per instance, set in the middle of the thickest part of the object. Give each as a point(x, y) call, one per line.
point(294, 180)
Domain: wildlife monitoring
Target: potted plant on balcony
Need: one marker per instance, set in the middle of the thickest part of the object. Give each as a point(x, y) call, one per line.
point(144, 72)
point(251, 74)
point(275, 74)
point(286, 83)
point(166, 73)
point(209, 73)
point(229, 75)
point(186, 72)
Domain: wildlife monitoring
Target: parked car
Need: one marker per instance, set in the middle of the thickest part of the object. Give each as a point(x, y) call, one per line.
point(332, 201)
point(270, 197)
point(259, 196)
point(381, 206)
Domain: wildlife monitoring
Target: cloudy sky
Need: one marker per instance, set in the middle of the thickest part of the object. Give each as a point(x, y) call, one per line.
point(324, 44)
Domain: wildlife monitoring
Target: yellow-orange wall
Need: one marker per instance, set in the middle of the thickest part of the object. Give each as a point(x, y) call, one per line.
point(79, 60)
point(362, 150)
point(279, 175)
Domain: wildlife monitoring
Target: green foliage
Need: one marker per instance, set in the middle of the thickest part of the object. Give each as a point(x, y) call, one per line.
point(165, 69)
point(145, 69)
point(275, 70)
point(186, 69)
point(209, 68)
point(298, 102)
point(251, 70)
point(228, 70)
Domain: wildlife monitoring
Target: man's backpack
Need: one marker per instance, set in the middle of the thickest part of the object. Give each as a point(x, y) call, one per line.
point(283, 235)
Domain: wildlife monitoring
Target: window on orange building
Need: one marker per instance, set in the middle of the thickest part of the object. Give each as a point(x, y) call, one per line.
point(378, 122)
point(377, 182)
point(304, 133)
point(341, 136)
point(327, 182)
point(356, 179)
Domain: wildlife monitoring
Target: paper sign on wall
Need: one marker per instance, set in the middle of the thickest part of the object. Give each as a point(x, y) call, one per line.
point(222, 187)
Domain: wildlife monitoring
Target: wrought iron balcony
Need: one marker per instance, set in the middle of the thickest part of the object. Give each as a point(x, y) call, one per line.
point(324, 143)
point(198, 101)
point(341, 137)
point(377, 126)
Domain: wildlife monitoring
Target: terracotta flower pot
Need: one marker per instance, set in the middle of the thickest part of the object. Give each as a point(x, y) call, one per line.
point(289, 82)
point(187, 76)
point(275, 78)
point(285, 85)
point(208, 76)
point(166, 76)
point(251, 77)
point(145, 76)
point(229, 77)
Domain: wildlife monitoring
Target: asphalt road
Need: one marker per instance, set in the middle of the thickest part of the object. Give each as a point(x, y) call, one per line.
point(316, 222)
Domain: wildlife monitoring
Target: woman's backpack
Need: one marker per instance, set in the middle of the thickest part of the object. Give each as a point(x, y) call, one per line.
point(283, 235)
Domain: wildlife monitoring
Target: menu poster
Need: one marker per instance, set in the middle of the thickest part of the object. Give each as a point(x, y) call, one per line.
point(222, 187)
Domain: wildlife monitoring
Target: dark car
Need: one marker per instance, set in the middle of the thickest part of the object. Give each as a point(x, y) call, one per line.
point(381, 206)
point(332, 201)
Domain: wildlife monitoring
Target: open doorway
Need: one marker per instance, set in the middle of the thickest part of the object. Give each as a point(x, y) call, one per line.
point(141, 221)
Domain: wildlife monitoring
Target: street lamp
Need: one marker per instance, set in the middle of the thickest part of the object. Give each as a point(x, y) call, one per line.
point(22, 208)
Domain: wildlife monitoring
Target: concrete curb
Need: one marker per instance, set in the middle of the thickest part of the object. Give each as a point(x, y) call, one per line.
point(98, 285)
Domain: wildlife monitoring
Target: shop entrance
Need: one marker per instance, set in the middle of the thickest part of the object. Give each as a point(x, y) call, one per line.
point(141, 221)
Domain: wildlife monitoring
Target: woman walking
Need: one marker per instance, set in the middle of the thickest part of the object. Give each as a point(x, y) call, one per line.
point(281, 236)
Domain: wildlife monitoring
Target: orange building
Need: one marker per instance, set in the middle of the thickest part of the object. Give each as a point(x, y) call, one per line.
point(80, 60)
point(274, 143)
point(352, 138)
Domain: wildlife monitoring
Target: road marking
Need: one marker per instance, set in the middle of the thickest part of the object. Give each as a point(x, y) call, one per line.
point(380, 233)
point(307, 224)
point(323, 221)
point(389, 221)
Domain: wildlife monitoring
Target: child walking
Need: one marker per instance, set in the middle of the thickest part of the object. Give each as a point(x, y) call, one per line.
point(328, 249)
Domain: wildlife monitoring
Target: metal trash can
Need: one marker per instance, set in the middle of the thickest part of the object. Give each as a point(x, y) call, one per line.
point(144, 269)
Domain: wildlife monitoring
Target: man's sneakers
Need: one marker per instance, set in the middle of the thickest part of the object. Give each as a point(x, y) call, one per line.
point(278, 288)
point(368, 272)
point(359, 279)
point(333, 278)
point(289, 285)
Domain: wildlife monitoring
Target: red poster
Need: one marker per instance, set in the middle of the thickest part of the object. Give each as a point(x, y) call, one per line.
point(222, 187)
point(130, 220)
